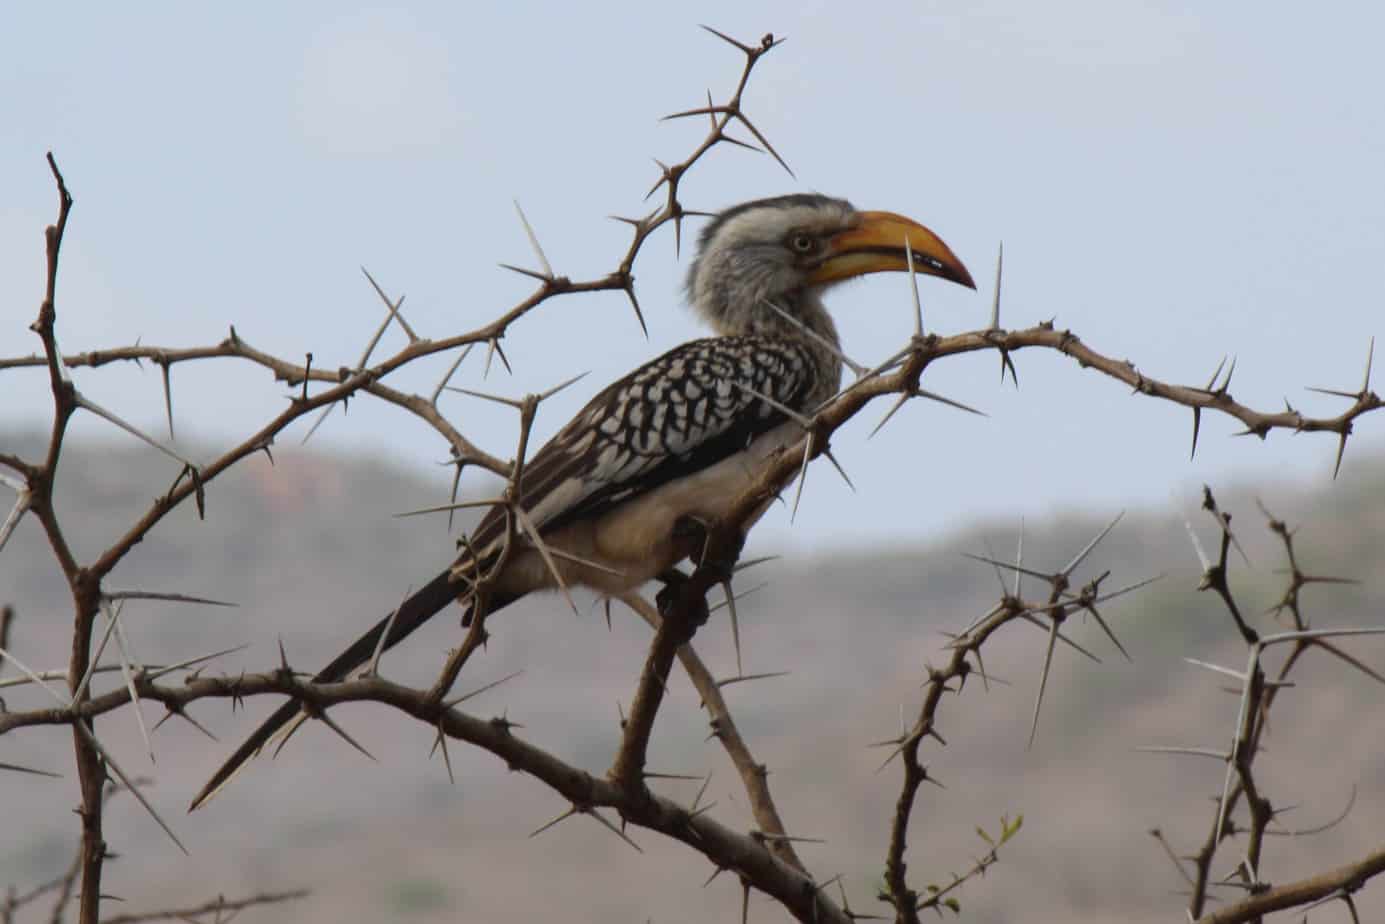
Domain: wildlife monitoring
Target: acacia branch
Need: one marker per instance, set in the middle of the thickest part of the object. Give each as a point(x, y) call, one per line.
point(753, 774)
point(732, 850)
point(1343, 881)
point(216, 907)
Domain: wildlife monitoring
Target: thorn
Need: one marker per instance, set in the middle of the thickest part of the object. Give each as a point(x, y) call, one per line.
point(91, 665)
point(1078, 559)
point(886, 419)
point(711, 110)
point(81, 401)
point(1341, 448)
point(746, 678)
point(1348, 658)
point(544, 396)
point(998, 608)
point(573, 810)
point(532, 274)
point(120, 595)
point(840, 471)
point(1034, 621)
point(441, 508)
point(1006, 362)
point(1019, 560)
point(1109, 634)
point(1326, 826)
point(330, 723)
point(1000, 578)
point(914, 288)
point(85, 731)
point(35, 678)
point(697, 800)
point(804, 422)
point(21, 506)
point(802, 475)
point(1330, 391)
point(1217, 668)
point(373, 668)
point(492, 347)
point(458, 465)
point(1189, 752)
point(741, 596)
point(393, 308)
point(735, 622)
point(635, 304)
point(441, 742)
point(569, 556)
point(196, 724)
point(320, 418)
point(16, 768)
point(1129, 588)
point(127, 672)
point(481, 689)
point(504, 360)
point(498, 399)
point(764, 142)
point(1018, 569)
point(544, 551)
point(1197, 546)
point(447, 377)
point(155, 672)
point(168, 398)
point(751, 563)
point(750, 52)
point(613, 829)
point(822, 341)
point(534, 242)
point(740, 144)
point(932, 396)
point(995, 302)
point(666, 175)
point(1043, 682)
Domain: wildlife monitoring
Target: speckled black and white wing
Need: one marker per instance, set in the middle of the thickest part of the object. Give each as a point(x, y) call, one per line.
point(672, 417)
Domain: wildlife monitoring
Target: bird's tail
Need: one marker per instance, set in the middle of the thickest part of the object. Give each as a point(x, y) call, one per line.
point(412, 613)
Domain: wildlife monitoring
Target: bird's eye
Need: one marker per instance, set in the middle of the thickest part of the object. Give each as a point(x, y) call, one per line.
point(802, 243)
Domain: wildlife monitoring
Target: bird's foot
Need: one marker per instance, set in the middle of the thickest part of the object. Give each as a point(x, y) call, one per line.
point(715, 548)
point(682, 602)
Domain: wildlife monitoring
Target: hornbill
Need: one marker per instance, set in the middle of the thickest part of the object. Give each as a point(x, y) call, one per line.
point(678, 439)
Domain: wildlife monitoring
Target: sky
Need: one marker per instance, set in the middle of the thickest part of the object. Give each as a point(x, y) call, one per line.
point(1174, 183)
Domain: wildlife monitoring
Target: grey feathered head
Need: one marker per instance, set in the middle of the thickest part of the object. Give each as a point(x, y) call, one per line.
point(785, 250)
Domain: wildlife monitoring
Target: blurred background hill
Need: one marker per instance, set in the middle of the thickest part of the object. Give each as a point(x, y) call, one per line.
point(310, 551)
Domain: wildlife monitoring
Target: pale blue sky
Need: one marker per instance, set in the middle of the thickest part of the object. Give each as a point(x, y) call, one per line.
point(1171, 182)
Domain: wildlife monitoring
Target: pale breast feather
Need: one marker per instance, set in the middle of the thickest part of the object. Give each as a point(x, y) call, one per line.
point(675, 415)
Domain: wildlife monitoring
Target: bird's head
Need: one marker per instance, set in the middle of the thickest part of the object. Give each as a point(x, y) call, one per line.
point(785, 250)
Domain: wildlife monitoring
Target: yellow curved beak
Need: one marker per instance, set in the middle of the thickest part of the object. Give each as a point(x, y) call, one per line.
point(879, 245)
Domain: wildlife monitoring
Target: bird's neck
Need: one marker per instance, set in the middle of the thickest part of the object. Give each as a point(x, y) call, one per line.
point(811, 326)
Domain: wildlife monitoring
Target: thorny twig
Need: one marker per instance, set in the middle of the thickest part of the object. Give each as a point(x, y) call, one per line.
point(766, 860)
point(1242, 784)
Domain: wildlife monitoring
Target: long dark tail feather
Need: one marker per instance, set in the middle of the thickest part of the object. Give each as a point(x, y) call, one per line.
point(413, 613)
